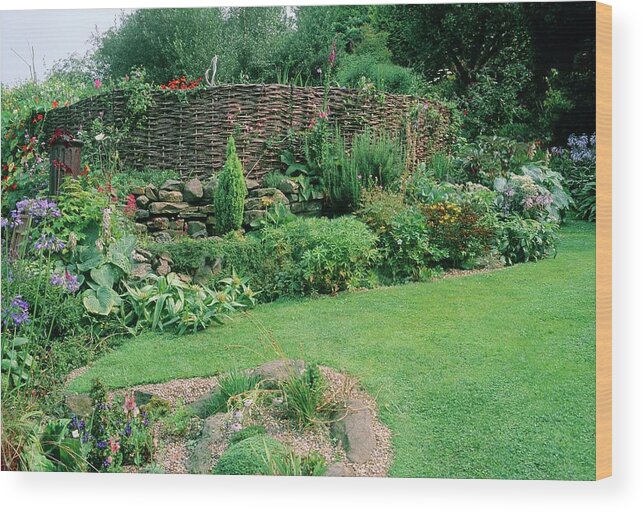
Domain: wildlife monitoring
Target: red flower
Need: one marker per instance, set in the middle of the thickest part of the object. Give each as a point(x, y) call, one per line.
point(54, 104)
point(465, 112)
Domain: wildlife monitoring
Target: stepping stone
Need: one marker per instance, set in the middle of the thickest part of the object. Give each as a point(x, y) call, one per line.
point(213, 432)
point(354, 428)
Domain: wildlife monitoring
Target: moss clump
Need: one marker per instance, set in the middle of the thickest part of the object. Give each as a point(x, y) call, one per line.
point(252, 430)
point(248, 457)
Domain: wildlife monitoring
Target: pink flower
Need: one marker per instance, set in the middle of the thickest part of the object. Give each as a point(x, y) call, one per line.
point(97, 83)
point(333, 54)
point(129, 406)
point(114, 445)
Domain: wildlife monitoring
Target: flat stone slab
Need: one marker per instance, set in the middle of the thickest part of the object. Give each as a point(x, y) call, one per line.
point(213, 432)
point(339, 469)
point(354, 428)
point(79, 404)
point(280, 370)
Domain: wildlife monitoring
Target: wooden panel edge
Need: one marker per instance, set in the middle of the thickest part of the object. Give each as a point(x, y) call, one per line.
point(603, 240)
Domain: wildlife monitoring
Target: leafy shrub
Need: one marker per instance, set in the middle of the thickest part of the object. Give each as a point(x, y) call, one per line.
point(386, 76)
point(327, 255)
point(252, 430)
point(536, 193)
point(167, 303)
point(230, 193)
point(577, 164)
point(378, 159)
point(522, 240)
point(126, 180)
point(248, 457)
point(303, 396)
point(235, 384)
point(459, 230)
point(244, 255)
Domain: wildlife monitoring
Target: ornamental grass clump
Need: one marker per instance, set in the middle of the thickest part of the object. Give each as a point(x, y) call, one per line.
point(230, 194)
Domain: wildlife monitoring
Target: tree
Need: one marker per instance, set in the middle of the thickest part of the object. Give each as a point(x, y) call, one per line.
point(230, 194)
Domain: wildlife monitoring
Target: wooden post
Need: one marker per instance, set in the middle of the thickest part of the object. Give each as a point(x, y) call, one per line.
point(65, 161)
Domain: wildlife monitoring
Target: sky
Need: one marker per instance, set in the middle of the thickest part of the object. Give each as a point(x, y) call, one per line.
point(53, 34)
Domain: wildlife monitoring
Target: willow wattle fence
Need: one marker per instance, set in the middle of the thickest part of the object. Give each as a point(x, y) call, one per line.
point(188, 132)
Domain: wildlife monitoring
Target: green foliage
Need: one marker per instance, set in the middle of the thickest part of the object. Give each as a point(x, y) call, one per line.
point(273, 179)
point(232, 386)
point(166, 303)
point(182, 422)
point(521, 240)
point(378, 159)
point(116, 434)
point(248, 457)
point(230, 194)
point(304, 396)
point(340, 177)
point(252, 430)
point(357, 70)
point(292, 464)
point(124, 181)
point(327, 255)
point(277, 215)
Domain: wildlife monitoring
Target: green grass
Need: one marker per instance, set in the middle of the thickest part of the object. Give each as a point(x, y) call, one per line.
point(485, 376)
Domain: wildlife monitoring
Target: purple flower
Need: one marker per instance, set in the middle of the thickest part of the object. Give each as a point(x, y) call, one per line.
point(36, 209)
point(128, 429)
point(51, 243)
point(17, 312)
point(57, 280)
point(101, 444)
point(3, 222)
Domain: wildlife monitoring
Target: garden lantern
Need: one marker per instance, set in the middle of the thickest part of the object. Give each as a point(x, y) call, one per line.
point(65, 160)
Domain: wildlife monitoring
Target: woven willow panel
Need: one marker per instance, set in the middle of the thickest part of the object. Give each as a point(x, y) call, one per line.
point(189, 134)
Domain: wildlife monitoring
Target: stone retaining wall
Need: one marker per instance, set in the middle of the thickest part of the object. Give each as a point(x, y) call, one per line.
point(180, 208)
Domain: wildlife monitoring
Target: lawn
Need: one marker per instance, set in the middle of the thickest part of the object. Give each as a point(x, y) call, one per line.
point(485, 376)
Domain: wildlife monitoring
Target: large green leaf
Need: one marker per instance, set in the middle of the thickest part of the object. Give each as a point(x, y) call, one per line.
point(104, 276)
point(100, 301)
point(120, 260)
point(90, 257)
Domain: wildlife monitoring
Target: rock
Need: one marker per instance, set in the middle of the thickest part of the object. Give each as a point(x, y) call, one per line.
point(198, 407)
point(140, 228)
point(163, 268)
point(142, 214)
point(280, 370)
point(142, 201)
point(206, 210)
point(217, 266)
point(339, 469)
point(142, 398)
point(172, 185)
point(138, 191)
point(252, 184)
point(193, 190)
point(141, 255)
point(275, 194)
point(317, 195)
point(310, 207)
point(249, 216)
point(164, 207)
point(210, 219)
point(167, 257)
point(140, 270)
point(289, 187)
point(257, 203)
point(184, 277)
point(354, 429)
point(203, 276)
point(212, 433)
point(196, 229)
point(152, 192)
point(159, 223)
point(163, 237)
point(209, 187)
point(170, 196)
point(79, 404)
